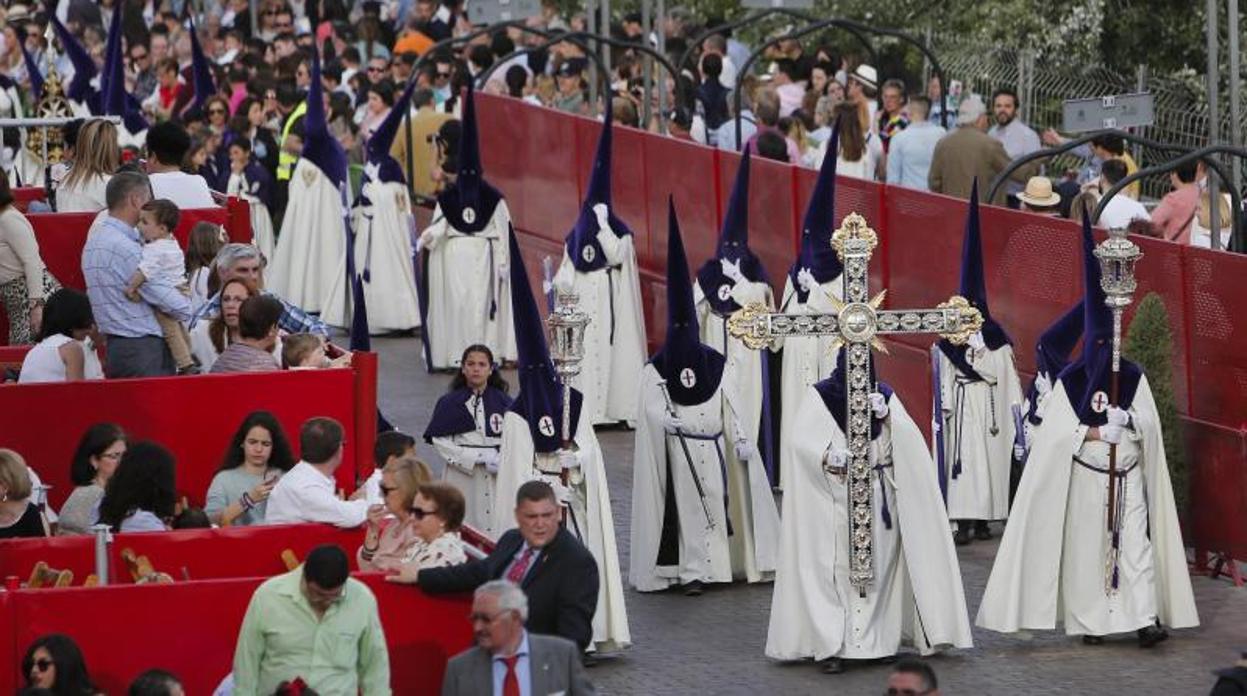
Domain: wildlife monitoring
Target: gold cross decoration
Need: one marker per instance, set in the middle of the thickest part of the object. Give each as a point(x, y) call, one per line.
point(856, 325)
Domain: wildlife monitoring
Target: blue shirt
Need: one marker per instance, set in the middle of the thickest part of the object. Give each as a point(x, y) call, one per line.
point(523, 673)
point(292, 320)
point(725, 135)
point(109, 258)
point(909, 156)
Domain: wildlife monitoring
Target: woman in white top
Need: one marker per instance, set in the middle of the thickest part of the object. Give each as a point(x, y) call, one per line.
point(24, 280)
point(860, 150)
point(1201, 224)
point(142, 495)
point(64, 352)
point(96, 156)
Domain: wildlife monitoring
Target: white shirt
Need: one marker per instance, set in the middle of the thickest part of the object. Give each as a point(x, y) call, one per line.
point(43, 362)
point(87, 197)
point(185, 190)
point(162, 262)
point(304, 494)
point(1121, 209)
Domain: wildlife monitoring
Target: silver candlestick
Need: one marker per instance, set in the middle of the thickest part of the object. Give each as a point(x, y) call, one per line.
point(566, 327)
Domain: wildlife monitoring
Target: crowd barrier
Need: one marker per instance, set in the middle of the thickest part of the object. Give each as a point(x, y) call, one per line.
point(194, 417)
point(191, 628)
point(1033, 274)
point(62, 236)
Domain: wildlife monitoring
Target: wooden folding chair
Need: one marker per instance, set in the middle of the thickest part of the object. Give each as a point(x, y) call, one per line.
point(45, 576)
point(141, 569)
point(291, 560)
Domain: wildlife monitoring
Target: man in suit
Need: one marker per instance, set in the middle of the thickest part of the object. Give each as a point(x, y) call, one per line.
point(554, 569)
point(507, 657)
point(969, 153)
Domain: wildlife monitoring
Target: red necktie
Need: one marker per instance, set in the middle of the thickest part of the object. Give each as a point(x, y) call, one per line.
point(511, 682)
point(520, 567)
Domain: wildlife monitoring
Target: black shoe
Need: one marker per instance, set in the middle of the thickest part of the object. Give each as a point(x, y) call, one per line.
point(833, 665)
point(961, 537)
point(694, 588)
point(1093, 640)
point(1151, 635)
point(981, 531)
point(588, 659)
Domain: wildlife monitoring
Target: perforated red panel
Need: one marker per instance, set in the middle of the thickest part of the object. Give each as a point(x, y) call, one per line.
point(1217, 323)
point(1218, 487)
point(690, 173)
point(627, 171)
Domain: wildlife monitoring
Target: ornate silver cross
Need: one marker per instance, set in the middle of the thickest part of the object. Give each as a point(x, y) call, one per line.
point(856, 324)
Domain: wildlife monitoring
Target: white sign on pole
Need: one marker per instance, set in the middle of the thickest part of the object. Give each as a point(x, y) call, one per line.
point(494, 11)
point(769, 4)
point(1114, 111)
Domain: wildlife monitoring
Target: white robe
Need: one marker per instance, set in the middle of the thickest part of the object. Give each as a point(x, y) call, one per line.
point(590, 503)
point(916, 597)
point(608, 373)
point(474, 480)
point(981, 490)
point(705, 554)
point(460, 282)
point(383, 245)
point(261, 221)
point(312, 242)
point(807, 359)
point(745, 364)
point(1057, 530)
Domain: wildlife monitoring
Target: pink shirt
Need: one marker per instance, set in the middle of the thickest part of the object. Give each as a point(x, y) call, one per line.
point(1174, 214)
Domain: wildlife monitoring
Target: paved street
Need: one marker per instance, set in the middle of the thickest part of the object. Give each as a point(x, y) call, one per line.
point(713, 644)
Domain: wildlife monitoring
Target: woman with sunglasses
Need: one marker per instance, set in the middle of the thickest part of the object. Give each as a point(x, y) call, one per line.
point(96, 459)
point(54, 663)
point(391, 534)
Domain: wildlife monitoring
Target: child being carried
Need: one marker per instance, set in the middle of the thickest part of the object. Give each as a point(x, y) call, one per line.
point(163, 263)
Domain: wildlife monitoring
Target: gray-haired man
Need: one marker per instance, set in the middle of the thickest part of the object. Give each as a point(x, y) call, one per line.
point(236, 260)
point(507, 660)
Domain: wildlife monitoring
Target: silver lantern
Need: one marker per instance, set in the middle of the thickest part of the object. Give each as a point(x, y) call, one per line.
point(1117, 256)
point(566, 329)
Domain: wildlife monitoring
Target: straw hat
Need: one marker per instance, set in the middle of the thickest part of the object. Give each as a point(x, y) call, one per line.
point(867, 75)
point(1039, 193)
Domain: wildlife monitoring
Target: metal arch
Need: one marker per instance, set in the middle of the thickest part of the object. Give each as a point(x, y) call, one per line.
point(467, 38)
point(1211, 162)
point(759, 16)
point(1203, 154)
point(482, 78)
point(847, 25)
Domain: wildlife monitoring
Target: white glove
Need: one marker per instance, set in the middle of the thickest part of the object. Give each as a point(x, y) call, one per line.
point(488, 458)
point(546, 287)
point(568, 460)
point(976, 341)
point(1043, 385)
point(1117, 417)
point(731, 270)
point(878, 405)
point(745, 450)
point(502, 272)
point(672, 423)
point(562, 493)
point(419, 243)
point(838, 458)
point(1019, 451)
point(603, 215)
point(1111, 434)
point(806, 280)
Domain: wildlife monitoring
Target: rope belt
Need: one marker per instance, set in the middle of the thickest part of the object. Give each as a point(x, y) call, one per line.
point(884, 512)
point(959, 406)
point(1112, 574)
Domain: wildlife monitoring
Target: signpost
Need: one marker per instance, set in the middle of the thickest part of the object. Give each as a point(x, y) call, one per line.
point(768, 4)
point(1114, 111)
point(494, 11)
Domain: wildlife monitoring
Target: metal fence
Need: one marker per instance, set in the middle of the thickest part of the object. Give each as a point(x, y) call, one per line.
point(1181, 107)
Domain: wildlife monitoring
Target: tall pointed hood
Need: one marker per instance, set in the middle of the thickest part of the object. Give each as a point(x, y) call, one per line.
point(733, 246)
point(115, 100)
point(540, 398)
point(973, 287)
point(1052, 353)
point(201, 72)
point(692, 369)
point(469, 204)
point(80, 88)
point(820, 220)
point(382, 166)
point(582, 241)
point(319, 147)
point(32, 66)
point(836, 397)
point(1092, 372)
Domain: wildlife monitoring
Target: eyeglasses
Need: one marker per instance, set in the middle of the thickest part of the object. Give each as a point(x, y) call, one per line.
point(386, 490)
point(141, 56)
point(115, 456)
point(420, 513)
point(443, 75)
point(217, 111)
point(376, 68)
point(43, 664)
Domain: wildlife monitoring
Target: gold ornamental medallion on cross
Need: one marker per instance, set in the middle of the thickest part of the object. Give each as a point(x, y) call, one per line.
point(856, 325)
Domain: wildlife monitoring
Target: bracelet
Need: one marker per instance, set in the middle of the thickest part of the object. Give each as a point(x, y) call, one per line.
point(367, 553)
point(246, 502)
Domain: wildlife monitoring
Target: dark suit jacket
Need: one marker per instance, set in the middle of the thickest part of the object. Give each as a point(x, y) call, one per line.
point(966, 154)
point(553, 663)
point(562, 587)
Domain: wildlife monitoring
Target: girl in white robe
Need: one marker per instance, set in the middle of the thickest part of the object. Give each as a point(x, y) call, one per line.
point(702, 507)
point(599, 265)
point(251, 183)
point(1060, 560)
point(465, 294)
point(466, 430)
point(533, 446)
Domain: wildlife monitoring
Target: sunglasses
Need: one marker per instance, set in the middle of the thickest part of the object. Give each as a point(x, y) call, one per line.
point(376, 68)
point(420, 513)
point(43, 664)
point(386, 490)
point(215, 111)
point(141, 56)
point(443, 76)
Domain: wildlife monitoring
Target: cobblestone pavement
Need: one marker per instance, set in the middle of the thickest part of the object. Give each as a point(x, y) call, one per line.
point(713, 644)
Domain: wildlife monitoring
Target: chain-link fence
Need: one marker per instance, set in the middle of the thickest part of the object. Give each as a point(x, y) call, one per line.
point(1180, 107)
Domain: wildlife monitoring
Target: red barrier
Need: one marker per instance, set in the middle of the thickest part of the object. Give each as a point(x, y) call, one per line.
point(191, 628)
point(1034, 269)
point(192, 416)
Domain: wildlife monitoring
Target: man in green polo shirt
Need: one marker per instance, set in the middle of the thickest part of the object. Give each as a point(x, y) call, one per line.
point(316, 623)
